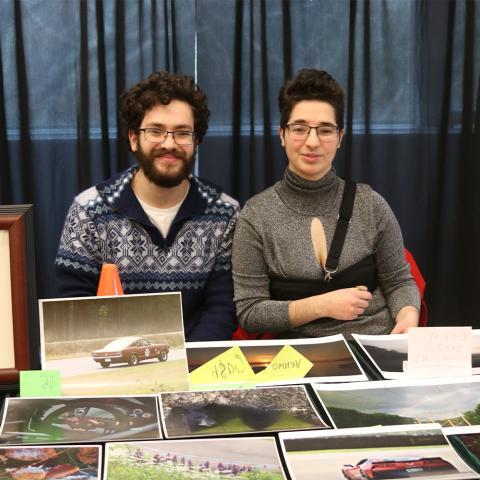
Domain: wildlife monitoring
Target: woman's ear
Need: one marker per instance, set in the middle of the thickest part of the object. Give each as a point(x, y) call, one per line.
point(281, 132)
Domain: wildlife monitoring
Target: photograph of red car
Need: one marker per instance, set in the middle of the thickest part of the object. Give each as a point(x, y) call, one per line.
point(395, 467)
point(131, 350)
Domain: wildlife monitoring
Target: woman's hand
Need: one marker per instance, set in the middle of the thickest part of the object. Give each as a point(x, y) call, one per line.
point(344, 304)
point(406, 317)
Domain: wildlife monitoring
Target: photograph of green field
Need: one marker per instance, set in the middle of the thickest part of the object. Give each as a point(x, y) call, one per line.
point(123, 345)
point(251, 458)
point(417, 452)
point(229, 412)
point(452, 404)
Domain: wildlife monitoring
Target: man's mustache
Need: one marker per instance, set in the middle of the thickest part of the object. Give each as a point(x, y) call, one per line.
point(162, 151)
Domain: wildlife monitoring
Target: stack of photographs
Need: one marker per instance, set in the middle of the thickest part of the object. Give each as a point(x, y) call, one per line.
point(122, 345)
point(233, 412)
point(74, 420)
point(449, 402)
point(40, 462)
point(249, 458)
point(330, 360)
point(389, 352)
point(410, 451)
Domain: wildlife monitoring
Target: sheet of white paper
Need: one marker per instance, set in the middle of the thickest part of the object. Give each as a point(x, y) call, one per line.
point(439, 351)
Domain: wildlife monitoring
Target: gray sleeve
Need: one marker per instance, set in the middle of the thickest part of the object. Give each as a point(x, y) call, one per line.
point(256, 312)
point(393, 271)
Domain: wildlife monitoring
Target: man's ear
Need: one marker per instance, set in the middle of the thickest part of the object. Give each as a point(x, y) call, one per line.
point(133, 139)
point(281, 132)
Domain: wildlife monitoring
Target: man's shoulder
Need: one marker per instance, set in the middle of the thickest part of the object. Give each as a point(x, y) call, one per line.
point(218, 202)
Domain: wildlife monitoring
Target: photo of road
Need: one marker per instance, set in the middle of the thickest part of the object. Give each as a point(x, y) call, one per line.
point(415, 451)
point(123, 345)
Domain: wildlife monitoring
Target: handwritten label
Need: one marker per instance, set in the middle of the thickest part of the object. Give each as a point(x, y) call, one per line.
point(228, 367)
point(439, 351)
point(288, 364)
point(40, 383)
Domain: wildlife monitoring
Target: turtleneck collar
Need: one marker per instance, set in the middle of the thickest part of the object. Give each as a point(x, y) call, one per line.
point(310, 197)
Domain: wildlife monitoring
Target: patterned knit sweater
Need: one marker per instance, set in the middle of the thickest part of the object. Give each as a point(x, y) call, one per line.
point(106, 224)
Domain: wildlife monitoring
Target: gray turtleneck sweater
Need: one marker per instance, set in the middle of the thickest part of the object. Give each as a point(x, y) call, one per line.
point(273, 238)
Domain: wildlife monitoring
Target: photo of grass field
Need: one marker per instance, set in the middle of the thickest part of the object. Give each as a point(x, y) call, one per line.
point(123, 345)
point(452, 404)
point(229, 412)
point(251, 458)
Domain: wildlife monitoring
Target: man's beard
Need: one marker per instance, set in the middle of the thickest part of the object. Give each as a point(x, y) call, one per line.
point(166, 179)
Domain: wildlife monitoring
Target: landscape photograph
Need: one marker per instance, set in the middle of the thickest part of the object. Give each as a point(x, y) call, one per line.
point(252, 458)
point(332, 359)
point(388, 352)
point(229, 412)
point(452, 404)
point(97, 419)
point(122, 345)
point(414, 451)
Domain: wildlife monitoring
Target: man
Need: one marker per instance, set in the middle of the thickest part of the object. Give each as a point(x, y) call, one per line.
point(165, 229)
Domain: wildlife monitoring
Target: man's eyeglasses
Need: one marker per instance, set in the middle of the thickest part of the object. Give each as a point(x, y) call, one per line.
point(158, 135)
point(300, 131)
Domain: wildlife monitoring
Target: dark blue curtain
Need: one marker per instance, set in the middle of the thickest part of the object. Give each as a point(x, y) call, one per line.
point(411, 71)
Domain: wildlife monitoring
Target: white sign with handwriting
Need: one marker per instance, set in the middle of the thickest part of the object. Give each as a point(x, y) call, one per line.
point(439, 351)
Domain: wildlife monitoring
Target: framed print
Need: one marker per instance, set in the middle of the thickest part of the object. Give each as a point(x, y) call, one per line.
point(18, 307)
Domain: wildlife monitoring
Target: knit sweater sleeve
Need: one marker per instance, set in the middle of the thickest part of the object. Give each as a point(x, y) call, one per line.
point(393, 271)
point(256, 312)
point(78, 261)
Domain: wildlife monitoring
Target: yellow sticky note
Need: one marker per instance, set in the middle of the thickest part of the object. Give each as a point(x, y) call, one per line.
point(230, 366)
point(286, 365)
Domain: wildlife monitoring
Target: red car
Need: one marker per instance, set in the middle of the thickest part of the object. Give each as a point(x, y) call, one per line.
point(400, 467)
point(131, 350)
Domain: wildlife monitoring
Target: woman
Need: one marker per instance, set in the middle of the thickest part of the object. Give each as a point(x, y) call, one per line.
point(291, 275)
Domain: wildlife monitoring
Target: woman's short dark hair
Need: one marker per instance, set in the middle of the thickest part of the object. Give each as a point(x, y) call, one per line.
point(311, 84)
point(161, 88)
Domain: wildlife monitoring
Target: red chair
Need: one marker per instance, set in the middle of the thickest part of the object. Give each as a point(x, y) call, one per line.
point(420, 281)
point(241, 334)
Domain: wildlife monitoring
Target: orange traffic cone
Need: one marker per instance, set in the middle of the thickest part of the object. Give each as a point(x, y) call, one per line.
point(109, 283)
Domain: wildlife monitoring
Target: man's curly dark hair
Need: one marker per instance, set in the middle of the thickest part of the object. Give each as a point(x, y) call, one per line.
point(161, 88)
point(311, 84)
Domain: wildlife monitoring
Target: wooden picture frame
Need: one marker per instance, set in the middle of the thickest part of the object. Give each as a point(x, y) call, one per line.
point(20, 318)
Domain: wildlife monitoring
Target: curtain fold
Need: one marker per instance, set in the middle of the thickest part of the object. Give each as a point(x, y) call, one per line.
point(411, 72)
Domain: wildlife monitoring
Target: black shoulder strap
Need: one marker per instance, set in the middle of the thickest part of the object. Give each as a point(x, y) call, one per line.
point(343, 221)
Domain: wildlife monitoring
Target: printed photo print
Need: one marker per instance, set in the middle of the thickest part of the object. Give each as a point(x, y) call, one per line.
point(388, 352)
point(466, 441)
point(123, 345)
point(416, 452)
point(68, 462)
point(230, 412)
point(87, 419)
point(331, 359)
point(252, 458)
point(451, 403)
